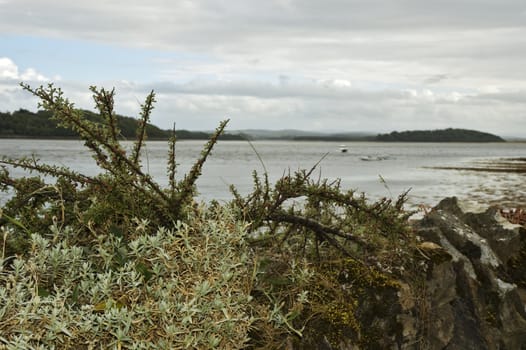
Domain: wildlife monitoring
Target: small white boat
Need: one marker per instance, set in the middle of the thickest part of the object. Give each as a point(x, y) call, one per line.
point(343, 149)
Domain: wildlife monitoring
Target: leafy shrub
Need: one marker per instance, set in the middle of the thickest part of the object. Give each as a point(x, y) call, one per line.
point(184, 287)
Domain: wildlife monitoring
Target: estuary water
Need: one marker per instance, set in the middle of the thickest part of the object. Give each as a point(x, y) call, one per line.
point(377, 169)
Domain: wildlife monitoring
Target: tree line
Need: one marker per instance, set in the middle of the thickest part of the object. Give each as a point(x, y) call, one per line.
point(24, 123)
point(443, 135)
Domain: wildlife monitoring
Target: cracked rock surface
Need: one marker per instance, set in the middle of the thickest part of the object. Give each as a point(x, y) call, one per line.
point(476, 298)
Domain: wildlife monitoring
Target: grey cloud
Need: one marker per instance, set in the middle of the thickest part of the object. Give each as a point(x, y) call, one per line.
point(328, 89)
point(388, 51)
point(357, 110)
point(189, 23)
point(202, 107)
point(465, 38)
point(435, 79)
point(514, 97)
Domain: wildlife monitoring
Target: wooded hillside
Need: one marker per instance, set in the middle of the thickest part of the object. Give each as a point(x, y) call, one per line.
point(443, 135)
point(24, 123)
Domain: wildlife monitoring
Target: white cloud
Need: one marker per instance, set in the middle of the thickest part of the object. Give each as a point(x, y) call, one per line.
point(12, 97)
point(9, 71)
point(32, 75)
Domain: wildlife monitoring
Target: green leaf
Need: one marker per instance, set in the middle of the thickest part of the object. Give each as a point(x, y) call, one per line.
point(43, 292)
point(144, 270)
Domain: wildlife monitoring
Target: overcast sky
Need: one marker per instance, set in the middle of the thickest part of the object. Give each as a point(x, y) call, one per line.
point(332, 65)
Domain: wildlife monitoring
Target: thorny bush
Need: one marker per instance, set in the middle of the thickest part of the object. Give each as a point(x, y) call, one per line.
point(103, 203)
point(72, 248)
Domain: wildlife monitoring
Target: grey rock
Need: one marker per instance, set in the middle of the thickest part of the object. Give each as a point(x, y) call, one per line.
point(466, 291)
point(474, 301)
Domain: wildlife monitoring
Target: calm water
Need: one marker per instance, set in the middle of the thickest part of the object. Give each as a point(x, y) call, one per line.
point(232, 162)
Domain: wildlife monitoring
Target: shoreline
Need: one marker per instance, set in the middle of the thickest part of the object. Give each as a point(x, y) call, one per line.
point(502, 165)
point(486, 194)
point(229, 138)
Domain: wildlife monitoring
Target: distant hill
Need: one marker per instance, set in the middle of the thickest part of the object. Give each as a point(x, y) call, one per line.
point(354, 136)
point(443, 135)
point(301, 135)
point(27, 124)
point(262, 134)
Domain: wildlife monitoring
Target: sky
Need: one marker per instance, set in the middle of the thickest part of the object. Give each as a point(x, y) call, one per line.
point(318, 65)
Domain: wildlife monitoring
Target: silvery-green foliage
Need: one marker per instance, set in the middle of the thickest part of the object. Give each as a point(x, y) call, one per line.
point(184, 287)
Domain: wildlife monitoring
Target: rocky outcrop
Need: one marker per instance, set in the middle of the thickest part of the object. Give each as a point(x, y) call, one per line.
point(466, 289)
point(474, 293)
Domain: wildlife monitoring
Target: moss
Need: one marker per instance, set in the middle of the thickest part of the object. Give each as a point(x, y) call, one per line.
point(342, 322)
point(348, 298)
